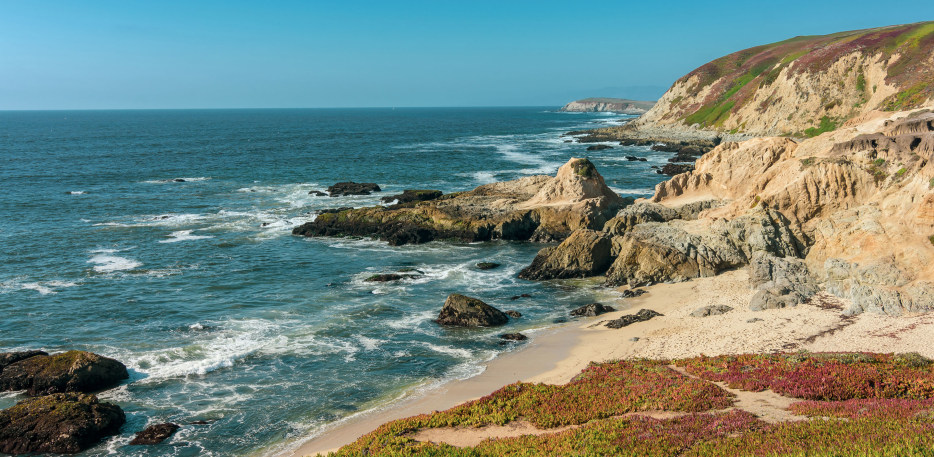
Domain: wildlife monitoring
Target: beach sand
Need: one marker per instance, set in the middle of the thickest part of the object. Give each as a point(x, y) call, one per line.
point(555, 356)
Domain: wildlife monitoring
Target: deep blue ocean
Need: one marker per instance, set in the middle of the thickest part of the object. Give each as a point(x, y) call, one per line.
point(220, 313)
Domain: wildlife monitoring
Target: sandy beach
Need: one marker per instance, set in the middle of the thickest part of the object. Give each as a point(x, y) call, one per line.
point(556, 355)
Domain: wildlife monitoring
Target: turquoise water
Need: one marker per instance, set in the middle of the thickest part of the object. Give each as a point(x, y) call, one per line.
point(199, 288)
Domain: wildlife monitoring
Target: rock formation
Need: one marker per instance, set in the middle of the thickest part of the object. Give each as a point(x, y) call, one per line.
point(592, 309)
point(72, 371)
point(538, 208)
point(59, 423)
point(618, 105)
point(463, 311)
point(353, 188)
point(154, 434)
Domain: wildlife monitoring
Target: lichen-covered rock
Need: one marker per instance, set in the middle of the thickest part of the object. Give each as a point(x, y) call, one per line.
point(72, 371)
point(592, 309)
point(8, 358)
point(781, 282)
point(584, 253)
point(641, 316)
point(463, 311)
point(154, 434)
point(711, 310)
point(878, 287)
point(643, 212)
point(59, 423)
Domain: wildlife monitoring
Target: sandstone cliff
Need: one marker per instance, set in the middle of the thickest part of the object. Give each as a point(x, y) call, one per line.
point(799, 87)
point(616, 105)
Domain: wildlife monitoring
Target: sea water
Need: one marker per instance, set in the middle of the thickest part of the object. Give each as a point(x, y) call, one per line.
point(163, 239)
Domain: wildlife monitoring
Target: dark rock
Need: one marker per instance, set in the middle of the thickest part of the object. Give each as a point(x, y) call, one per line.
point(154, 434)
point(463, 311)
point(513, 314)
point(682, 158)
point(568, 141)
point(630, 293)
point(592, 309)
point(634, 339)
point(598, 147)
point(675, 169)
point(8, 358)
point(386, 277)
point(516, 297)
point(487, 265)
point(335, 210)
point(352, 188)
point(559, 320)
point(409, 270)
point(178, 180)
point(317, 193)
point(200, 422)
point(513, 336)
point(629, 319)
point(72, 371)
point(636, 159)
point(408, 196)
point(59, 423)
point(711, 310)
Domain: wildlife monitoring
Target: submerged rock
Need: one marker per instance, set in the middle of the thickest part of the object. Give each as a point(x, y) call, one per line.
point(598, 147)
point(641, 316)
point(59, 423)
point(514, 337)
point(317, 193)
point(463, 311)
point(72, 371)
point(409, 196)
point(711, 310)
point(353, 188)
point(154, 434)
point(387, 277)
point(513, 314)
point(592, 309)
point(487, 265)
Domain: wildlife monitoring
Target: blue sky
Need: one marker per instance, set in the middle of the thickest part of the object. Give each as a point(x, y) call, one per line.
point(231, 54)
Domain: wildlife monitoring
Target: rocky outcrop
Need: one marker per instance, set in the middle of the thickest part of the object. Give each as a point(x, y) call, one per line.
point(409, 196)
point(592, 309)
point(487, 265)
point(537, 208)
point(463, 311)
point(388, 277)
point(353, 188)
point(626, 320)
point(9, 358)
point(584, 253)
point(72, 371)
point(154, 434)
point(618, 105)
point(780, 282)
point(59, 423)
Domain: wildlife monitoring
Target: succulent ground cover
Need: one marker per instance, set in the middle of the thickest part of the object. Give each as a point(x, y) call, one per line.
point(855, 404)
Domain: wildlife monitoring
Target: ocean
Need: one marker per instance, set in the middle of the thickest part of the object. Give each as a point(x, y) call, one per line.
point(163, 239)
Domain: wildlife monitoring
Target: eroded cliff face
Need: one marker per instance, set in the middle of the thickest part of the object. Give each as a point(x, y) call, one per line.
point(800, 87)
point(616, 105)
point(861, 198)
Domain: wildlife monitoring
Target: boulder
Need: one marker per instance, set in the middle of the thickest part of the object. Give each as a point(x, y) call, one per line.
point(513, 314)
point(584, 253)
point(636, 159)
point(781, 282)
point(673, 169)
point(409, 196)
point(641, 316)
point(8, 358)
point(317, 193)
point(487, 265)
point(463, 311)
point(711, 310)
point(72, 371)
point(514, 337)
point(632, 293)
point(353, 188)
point(592, 309)
point(60, 423)
point(154, 434)
point(598, 147)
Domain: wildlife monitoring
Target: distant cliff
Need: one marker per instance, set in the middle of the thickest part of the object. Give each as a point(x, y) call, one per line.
point(617, 105)
point(802, 86)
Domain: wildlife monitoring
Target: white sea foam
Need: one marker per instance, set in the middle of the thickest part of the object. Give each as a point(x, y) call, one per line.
point(370, 344)
point(106, 262)
point(449, 350)
point(642, 191)
point(76, 192)
point(183, 235)
point(47, 287)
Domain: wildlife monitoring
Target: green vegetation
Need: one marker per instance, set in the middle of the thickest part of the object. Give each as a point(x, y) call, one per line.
point(861, 82)
point(931, 184)
point(584, 168)
point(859, 404)
point(826, 125)
point(808, 161)
point(908, 98)
point(901, 172)
point(931, 239)
point(878, 162)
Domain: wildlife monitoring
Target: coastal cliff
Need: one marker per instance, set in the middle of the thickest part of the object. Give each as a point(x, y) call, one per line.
point(616, 105)
point(800, 87)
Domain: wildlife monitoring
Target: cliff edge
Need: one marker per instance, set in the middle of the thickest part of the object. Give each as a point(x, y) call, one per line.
point(616, 105)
